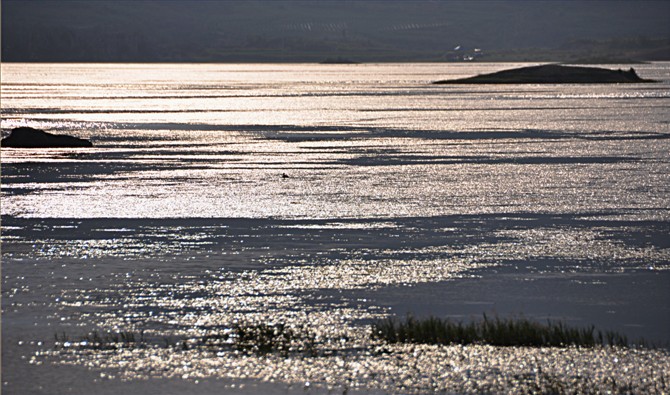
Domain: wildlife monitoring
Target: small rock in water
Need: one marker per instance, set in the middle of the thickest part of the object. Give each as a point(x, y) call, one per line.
point(26, 137)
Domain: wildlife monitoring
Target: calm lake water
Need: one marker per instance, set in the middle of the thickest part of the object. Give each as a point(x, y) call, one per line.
point(325, 197)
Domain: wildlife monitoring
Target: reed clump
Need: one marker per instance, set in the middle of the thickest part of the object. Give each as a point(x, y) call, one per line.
point(496, 331)
point(249, 338)
point(267, 338)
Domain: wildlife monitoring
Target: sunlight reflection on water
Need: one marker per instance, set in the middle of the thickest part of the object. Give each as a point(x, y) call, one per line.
point(219, 194)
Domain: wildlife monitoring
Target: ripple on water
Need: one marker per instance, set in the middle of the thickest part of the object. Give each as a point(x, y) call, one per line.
point(407, 368)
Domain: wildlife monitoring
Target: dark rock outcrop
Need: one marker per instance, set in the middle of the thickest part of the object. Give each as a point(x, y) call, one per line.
point(553, 74)
point(25, 137)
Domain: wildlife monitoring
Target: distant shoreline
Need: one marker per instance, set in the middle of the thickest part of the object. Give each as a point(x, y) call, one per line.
point(488, 61)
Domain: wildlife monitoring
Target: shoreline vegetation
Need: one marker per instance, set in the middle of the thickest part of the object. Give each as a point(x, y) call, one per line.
point(285, 339)
point(279, 353)
point(504, 332)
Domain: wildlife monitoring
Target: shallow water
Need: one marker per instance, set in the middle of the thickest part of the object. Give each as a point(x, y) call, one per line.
point(543, 201)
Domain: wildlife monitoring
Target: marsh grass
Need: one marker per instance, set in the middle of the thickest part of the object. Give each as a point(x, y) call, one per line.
point(248, 338)
point(509, 332)
point(267, 338)
point(257, 339)
point(285, 339)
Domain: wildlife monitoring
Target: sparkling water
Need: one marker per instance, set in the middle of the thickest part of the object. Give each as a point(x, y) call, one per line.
point(325, 197)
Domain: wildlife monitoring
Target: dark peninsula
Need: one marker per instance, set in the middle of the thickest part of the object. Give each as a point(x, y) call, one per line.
point(553, 74)
point(25, 137)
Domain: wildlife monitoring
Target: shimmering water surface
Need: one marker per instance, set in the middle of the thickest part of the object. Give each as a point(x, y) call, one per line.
point(399, 197)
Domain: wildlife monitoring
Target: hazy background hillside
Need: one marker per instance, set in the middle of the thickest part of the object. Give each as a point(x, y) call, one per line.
point(307, 31)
